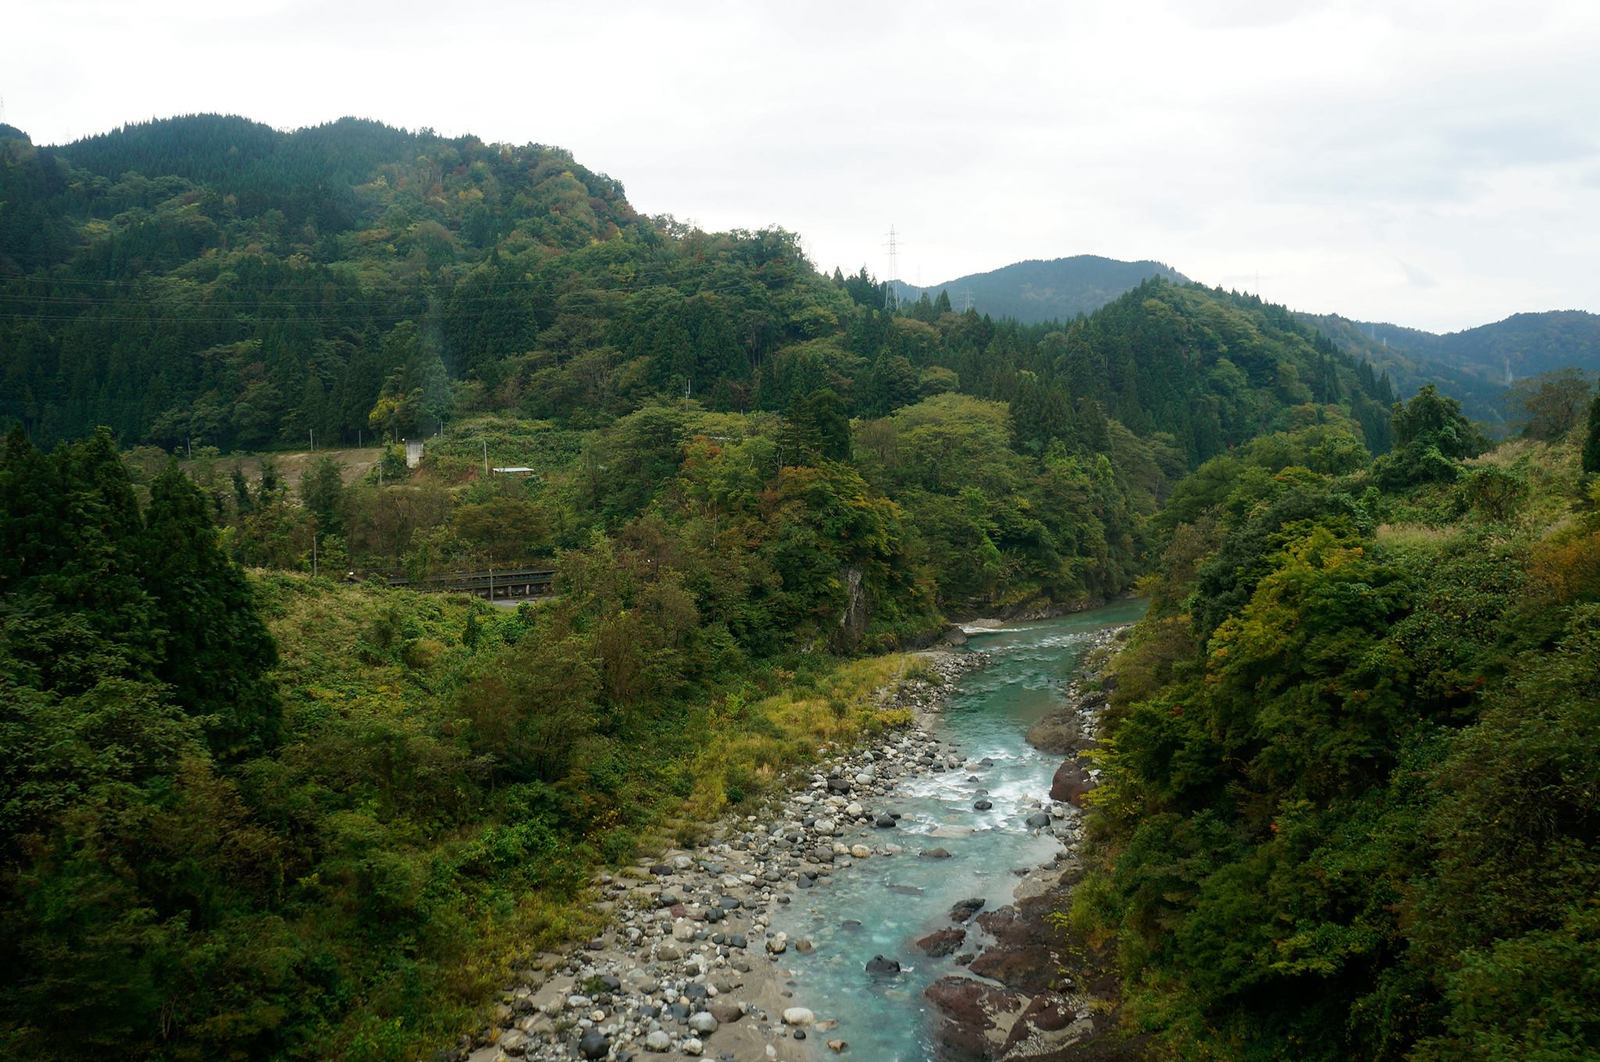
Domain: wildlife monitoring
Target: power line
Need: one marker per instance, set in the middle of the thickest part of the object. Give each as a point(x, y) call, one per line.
point(891, 294)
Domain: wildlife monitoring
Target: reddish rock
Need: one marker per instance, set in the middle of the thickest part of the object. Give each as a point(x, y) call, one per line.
point(965, 909)
point(942, 943)
point(1026, 952)
point(1045, 1013)
point(1022, 967)
point(968, 1010)
point(1071, 782)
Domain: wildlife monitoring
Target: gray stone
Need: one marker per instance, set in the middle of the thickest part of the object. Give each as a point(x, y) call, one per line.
point(878, 966)
point(726, 1011)
point(594, 1044)
point(965, 909)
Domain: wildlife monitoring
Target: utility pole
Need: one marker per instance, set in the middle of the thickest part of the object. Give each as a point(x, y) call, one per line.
point(486, 457)
point(313, 432)
point(891, 297)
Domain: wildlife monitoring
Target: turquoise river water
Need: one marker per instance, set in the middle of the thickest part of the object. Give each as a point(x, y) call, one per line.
point(898, 899)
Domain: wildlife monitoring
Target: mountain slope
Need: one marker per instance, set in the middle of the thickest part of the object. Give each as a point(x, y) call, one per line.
point(1530, 343)
point(1035, 291)
point(743, 467)
point(1476, 364)
point(209, 280)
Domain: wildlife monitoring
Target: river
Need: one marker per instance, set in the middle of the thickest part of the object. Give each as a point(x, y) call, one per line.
point(880, 906)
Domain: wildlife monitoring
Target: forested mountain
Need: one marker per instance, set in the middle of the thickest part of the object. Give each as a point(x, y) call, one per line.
point(1524, 344)
point(209, 279)
point(1412, 367)
point(1350, 776)
point(1036, 291)
point(1475, 365)
point(272, 815)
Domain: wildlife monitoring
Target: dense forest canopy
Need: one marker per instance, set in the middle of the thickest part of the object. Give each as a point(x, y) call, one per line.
point(1353, 770)
point(268, 813)
point(1478, 366)
point(208, 280)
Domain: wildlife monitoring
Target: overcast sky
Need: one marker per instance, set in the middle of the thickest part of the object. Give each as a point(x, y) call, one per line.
point(1436, 164)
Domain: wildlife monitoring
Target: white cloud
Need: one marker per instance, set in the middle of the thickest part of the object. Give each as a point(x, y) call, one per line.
point(1338, 150)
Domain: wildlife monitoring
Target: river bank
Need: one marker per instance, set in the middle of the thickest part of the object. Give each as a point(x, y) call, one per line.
point(769, 939)
point(689, 965)
point(957, 957)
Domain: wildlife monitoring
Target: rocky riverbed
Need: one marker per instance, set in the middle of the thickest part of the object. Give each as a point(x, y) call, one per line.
point(689, 965)
point(1024, 996)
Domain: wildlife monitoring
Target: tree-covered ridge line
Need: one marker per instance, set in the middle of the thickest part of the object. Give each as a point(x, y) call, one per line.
point(1482, 367)
point(1352, 763)
point(1044, 292)
point(208, 280)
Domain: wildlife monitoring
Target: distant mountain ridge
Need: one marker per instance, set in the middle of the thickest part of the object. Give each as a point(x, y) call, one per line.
point(1039, 290)
point(1475, 364)
point(1524, 344)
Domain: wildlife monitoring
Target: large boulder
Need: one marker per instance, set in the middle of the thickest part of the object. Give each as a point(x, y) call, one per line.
point(880, 966)
point(975, 1019)
point(1043, 1028)
point(1071, 782)
point(942, 943)
point(965, 909)
point(1059, 734)
point(725, 1010)
point(1025, 954)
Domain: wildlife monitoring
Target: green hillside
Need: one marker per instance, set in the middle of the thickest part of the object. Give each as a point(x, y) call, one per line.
point(1476, 365)
point(1350, 775)
point(254, 812)
point(210, 280)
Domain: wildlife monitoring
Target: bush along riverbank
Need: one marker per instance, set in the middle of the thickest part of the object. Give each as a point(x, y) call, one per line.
point(687, 963)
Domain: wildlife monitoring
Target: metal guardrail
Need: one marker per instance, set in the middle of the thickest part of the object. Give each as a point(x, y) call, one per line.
point(490, 583)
